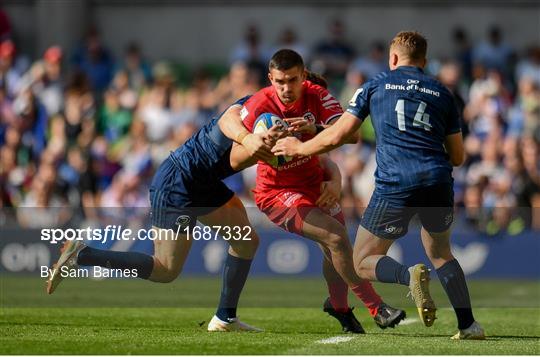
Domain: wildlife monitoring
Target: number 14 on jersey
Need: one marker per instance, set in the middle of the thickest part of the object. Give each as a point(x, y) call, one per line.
point(421, 119)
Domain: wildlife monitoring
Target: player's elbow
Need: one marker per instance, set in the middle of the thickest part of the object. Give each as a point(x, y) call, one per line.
point(457, 159)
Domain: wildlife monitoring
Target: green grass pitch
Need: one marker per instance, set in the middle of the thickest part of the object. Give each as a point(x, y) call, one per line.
point(138, 317)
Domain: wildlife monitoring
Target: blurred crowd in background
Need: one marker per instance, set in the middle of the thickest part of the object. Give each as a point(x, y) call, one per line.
point(84, 130)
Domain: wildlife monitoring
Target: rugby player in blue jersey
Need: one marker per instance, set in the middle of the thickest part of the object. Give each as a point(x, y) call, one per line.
point(187, 187)
point(418, 140)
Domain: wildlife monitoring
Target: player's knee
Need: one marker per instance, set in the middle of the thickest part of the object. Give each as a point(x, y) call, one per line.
point(336, 241)
point(246, 248)
point(435, 251)
point(167, 269)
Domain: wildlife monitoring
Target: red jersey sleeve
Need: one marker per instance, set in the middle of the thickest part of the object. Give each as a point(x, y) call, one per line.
point(328, 106)
point(253, 108)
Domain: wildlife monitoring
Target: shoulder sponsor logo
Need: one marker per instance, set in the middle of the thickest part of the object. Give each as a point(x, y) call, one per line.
point(244, 113)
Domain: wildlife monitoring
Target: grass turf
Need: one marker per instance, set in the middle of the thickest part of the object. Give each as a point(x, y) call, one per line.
point(138, 317)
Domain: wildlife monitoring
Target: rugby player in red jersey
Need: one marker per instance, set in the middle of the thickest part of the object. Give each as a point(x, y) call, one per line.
point(295, 195)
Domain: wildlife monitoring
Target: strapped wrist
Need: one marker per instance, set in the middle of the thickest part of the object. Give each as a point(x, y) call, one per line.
point(241, 136)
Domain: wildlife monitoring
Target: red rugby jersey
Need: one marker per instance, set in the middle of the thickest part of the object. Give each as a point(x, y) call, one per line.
point(315, 104)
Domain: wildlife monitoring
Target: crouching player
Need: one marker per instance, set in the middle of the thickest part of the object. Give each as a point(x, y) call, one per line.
point(187, 187)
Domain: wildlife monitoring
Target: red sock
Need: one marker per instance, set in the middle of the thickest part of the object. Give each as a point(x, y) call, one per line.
point(365, 292)
point(338, 295)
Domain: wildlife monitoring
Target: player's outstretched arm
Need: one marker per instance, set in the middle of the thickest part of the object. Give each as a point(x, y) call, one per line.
point(454, 147)
point(328, 139)
point(240, 158)
point(352, 139)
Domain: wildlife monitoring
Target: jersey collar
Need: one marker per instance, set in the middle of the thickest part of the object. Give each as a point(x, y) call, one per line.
point(410, 69)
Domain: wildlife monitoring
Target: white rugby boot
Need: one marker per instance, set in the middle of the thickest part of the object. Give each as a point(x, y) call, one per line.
point(233, 325)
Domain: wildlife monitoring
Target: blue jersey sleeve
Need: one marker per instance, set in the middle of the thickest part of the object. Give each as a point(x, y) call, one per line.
point(453, 124)
point(241, 101)
point(359, 103)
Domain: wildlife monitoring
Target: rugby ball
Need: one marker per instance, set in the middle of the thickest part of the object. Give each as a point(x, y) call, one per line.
point(263, 123)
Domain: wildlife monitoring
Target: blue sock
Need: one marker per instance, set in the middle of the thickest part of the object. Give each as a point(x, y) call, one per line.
point(390, 271)
point(453, 281)
point(144, 263)
point(235, 273)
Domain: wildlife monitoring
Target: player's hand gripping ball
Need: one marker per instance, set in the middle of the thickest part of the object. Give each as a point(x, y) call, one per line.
point(263, 123)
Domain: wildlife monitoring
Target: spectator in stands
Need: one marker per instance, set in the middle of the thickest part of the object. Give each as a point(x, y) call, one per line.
point(252, 52)
point(289, 39)
point(463, 53)
point(238, 83)
point(12, 177)
point(353, 80)
point(372, 64)
point(332, 56)
point(127, 97)
point(494, 53)
point(32, 121)
point(529, 66)
point(113, 120)
point(12, 68)
point(450, 75)
point(94, 60)
point(44, 79)
point(138, 71)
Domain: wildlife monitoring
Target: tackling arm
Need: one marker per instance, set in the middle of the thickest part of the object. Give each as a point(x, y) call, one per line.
point(256, 146)
point(330, 138)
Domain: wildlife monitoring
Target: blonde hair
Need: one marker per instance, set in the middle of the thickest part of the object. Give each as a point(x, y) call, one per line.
point(410, 44)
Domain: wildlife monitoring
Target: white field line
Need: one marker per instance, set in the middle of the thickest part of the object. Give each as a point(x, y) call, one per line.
point(340, 339)
point(334, 340)
point(409, 322)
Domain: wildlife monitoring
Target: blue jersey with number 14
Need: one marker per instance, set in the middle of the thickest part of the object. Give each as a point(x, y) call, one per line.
point(412, 113)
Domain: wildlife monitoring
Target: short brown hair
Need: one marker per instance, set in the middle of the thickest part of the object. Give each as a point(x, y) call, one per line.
point(285, 59)
point(410, 44)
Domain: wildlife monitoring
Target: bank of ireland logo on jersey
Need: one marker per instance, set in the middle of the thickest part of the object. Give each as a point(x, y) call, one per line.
point(183, 221)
